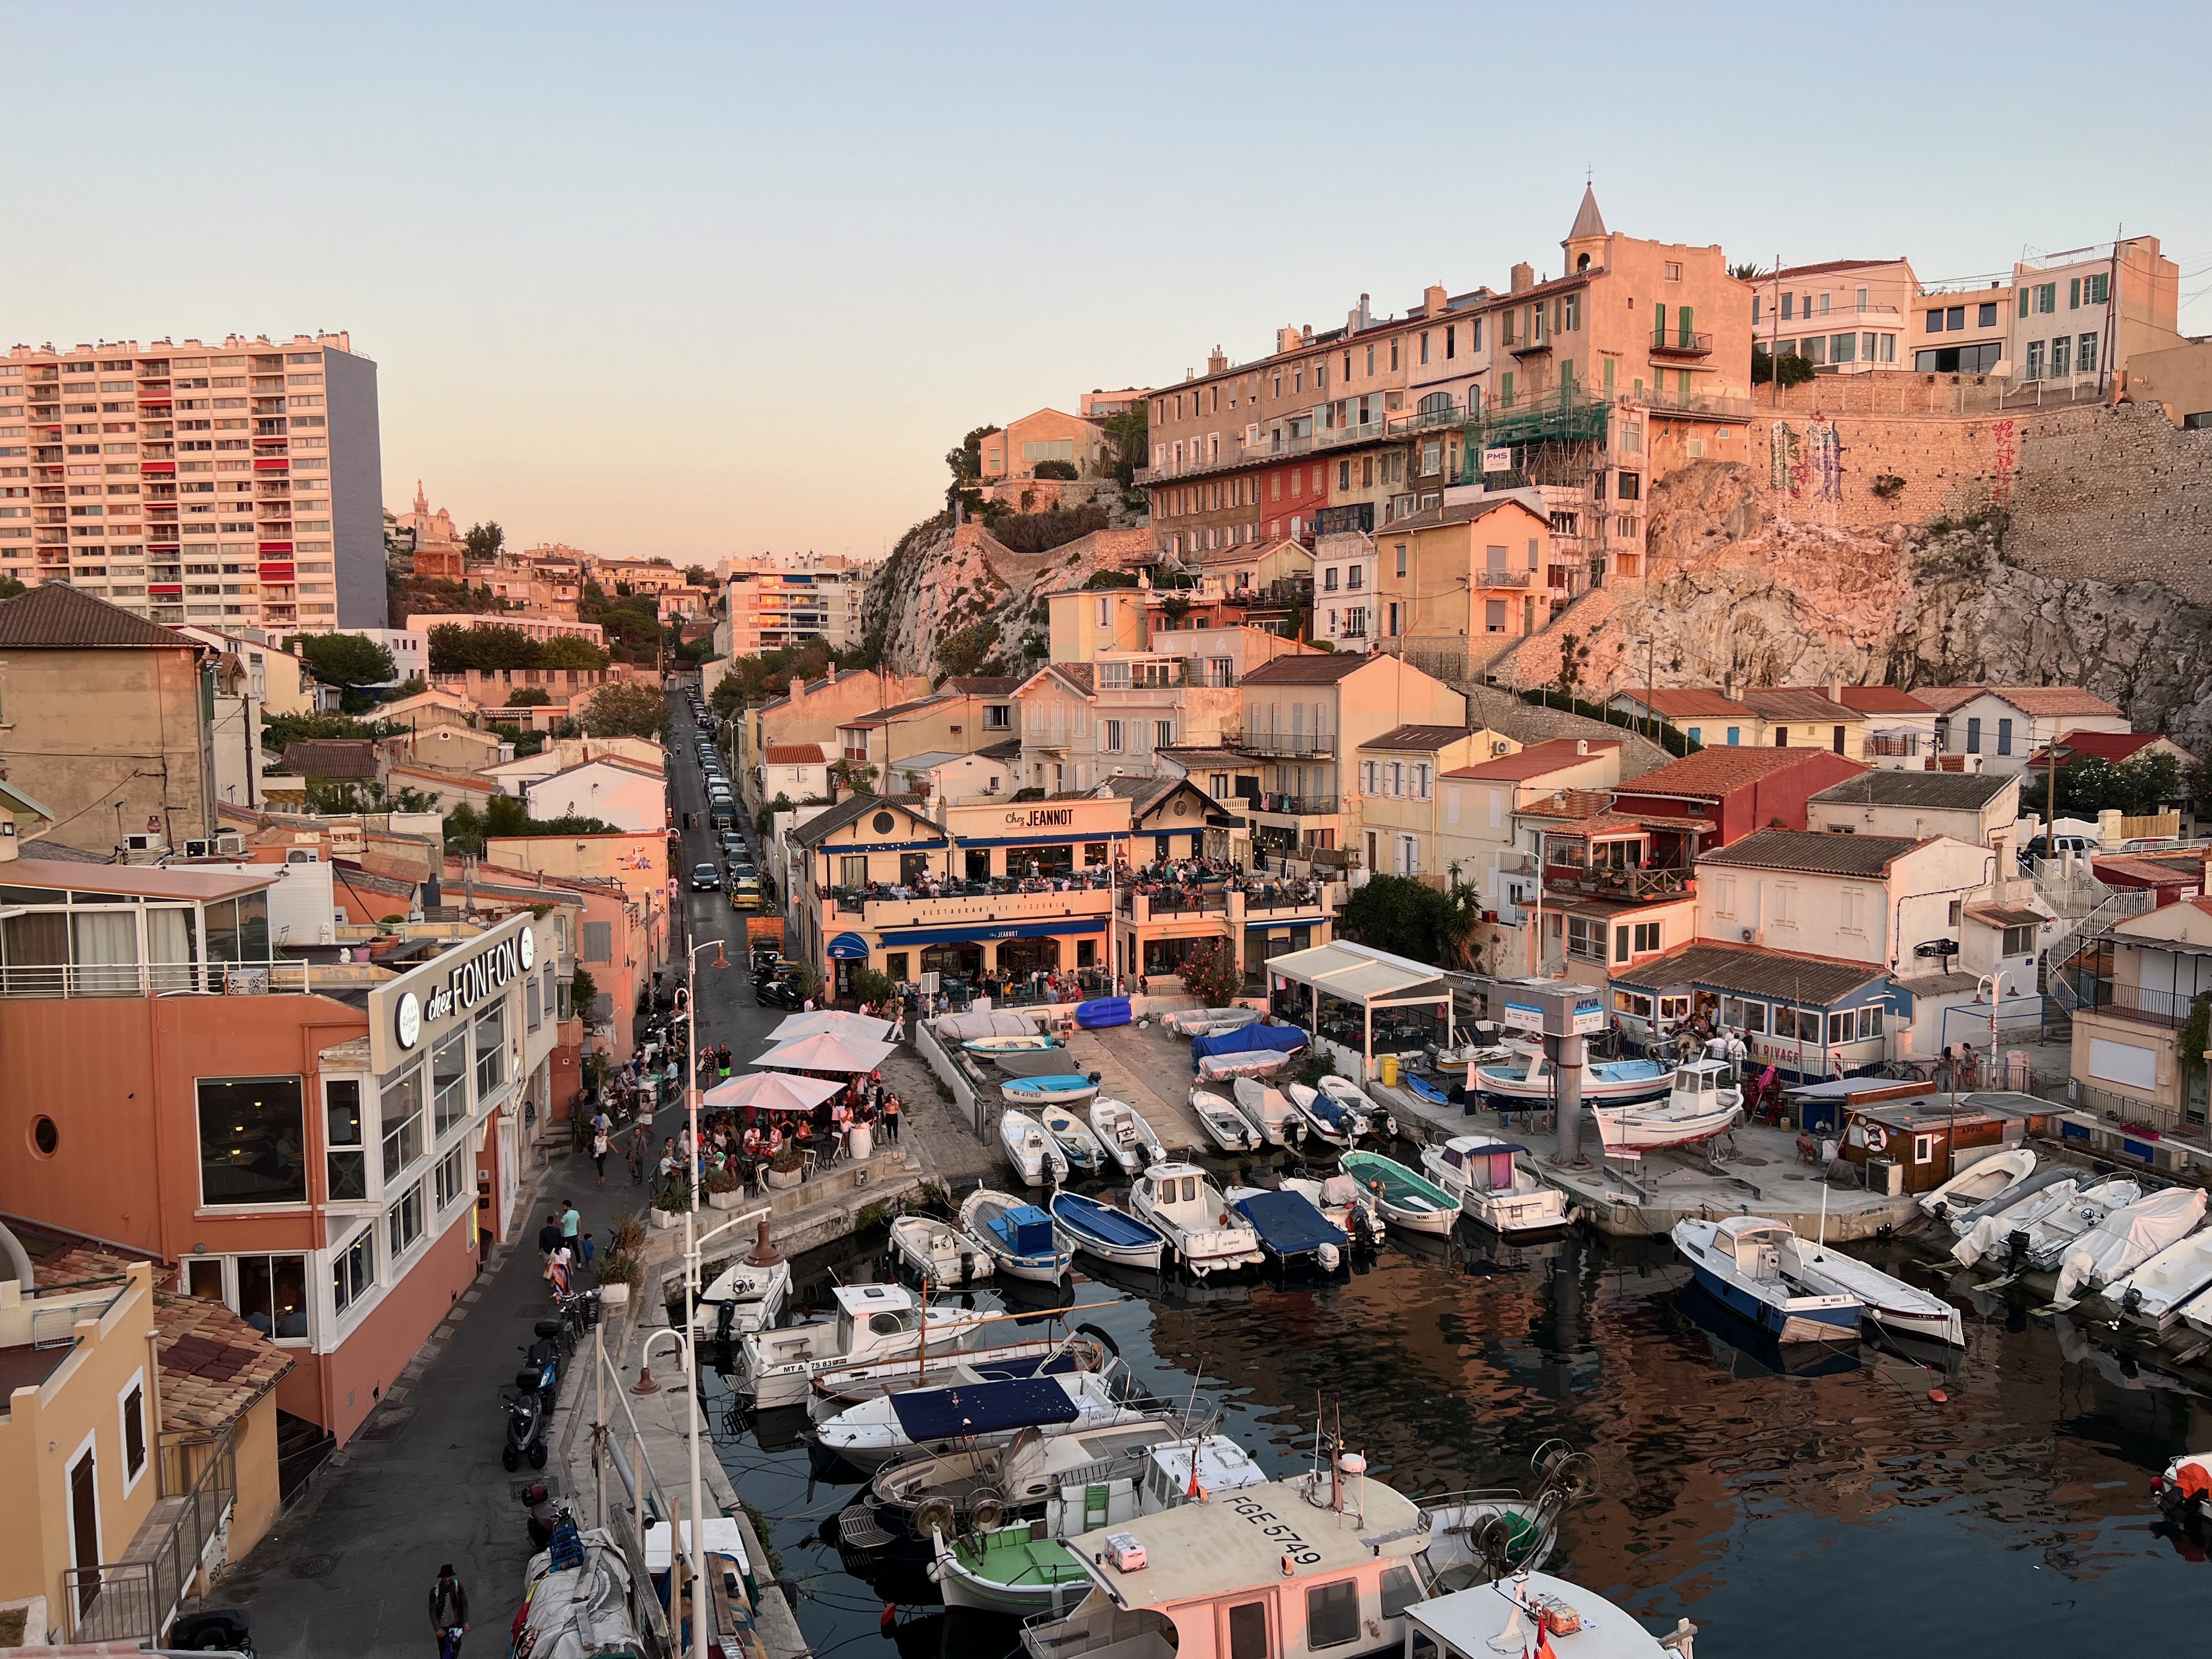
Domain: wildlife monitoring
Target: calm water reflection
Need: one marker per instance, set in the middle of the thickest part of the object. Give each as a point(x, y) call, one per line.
point(1816, 1502)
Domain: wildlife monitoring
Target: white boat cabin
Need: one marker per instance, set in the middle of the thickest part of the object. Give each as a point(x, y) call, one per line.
point(1702, 1084)
point(870, 1317)
point(1180, 1193)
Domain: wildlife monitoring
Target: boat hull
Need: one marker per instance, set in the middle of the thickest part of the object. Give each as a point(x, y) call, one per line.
point(962, 1587)
point(1627, 1131)
point(1824, 1325)
point(1088, 1240)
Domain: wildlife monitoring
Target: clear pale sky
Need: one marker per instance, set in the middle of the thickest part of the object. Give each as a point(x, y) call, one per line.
point(690, 281)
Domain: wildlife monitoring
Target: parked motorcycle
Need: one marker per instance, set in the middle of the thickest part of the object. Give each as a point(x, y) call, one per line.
point(545, 1516)
point(777, 993)
point(529, 1419)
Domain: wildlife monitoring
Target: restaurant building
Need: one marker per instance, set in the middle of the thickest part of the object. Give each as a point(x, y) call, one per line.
point(325, 1152)
point(1808, 1017)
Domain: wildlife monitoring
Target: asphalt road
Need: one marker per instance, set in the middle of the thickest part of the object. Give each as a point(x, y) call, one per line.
point(347, 1574)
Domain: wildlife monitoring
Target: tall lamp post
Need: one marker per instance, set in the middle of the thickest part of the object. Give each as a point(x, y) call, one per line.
point(1996, 983)
point(691, 1273)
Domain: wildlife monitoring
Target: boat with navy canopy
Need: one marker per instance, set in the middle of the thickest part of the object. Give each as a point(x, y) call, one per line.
point(872, 1433)
point(1291, 1228)
point(1111, 1235)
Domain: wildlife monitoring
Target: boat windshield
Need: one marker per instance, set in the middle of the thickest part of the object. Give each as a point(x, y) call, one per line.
point(890, 1324)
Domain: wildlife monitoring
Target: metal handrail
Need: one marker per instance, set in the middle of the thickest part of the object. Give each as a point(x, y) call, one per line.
point(137, 1600)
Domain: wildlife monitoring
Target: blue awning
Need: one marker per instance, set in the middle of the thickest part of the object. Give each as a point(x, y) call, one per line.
point(981, 1408)
point(904, 936)
point(850, 947)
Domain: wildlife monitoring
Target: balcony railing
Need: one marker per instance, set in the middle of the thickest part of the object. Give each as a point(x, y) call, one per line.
point(1893, 744)
point(1527, 348)
point(1295, 898)
point(1296, 744)
point(1295, 806)
point(1635, 885)
point(134, 1600)
point(1501, 579)
point(2136, 1003)
point(1682, 345)
point(1213, 902)
point(159, 979)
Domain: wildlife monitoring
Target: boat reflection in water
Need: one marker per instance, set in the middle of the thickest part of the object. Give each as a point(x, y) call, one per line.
point(1744, 1351)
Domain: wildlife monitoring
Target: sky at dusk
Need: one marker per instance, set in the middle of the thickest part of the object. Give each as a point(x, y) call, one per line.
point(695, 281)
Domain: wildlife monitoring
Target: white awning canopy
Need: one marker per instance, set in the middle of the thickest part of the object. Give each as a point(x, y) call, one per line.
point(1360, 973)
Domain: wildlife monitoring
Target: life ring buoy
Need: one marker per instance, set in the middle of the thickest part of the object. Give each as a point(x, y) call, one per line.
point(1223, 1222)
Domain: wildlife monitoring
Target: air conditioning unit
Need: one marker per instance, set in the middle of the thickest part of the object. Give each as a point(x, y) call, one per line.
point(1500, 746)
point(303, 855)
point(145, 843)
point(195, 849)
point(1751, 935)
point(228, 845)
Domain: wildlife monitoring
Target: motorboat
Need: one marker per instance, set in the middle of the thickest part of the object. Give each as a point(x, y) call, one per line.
point(1884, 1299)
point(1111, 1235)
point(938, 1252)
point(874, 1432)
point(1749, 1264)
point(1268, 1109)
point(1072, 1136)
point(872, 1323)
point(1474, 1536)
point(1529, 1082)
point(991, 1047)
point(1494, 1186)
point(741, 1298)
point(996, 1022)
point(1290, 1226)
point(1344, 1201)
point(1183, 1203)
point(1702, 1101)
point(1407, 1200)
point(2126, 1238)
point(1037, 1158)
point(849, 1385)
point(1067, 1483)
point(1017, 1236)
point(2184, 1488)
point(2162, 1289)
point(1518, 1614)
point(1209, 1022)
point(1962, 1221)
point(1995, 1222)
point(1326, 1117)
point(1056, 1089)
point(2045, 1242)
point(1121, 1129)
point(1334, 1543)
point(1224, 1123)
point(1007, 1571)
point(1350, 1096)
point(1978, 1182)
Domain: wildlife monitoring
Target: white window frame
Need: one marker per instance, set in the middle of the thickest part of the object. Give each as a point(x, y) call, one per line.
point(137, 1380)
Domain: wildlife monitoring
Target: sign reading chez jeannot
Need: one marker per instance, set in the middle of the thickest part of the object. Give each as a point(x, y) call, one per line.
point(407, 1014)
point(1042, 817)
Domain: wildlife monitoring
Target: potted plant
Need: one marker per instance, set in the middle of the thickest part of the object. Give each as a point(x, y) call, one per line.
point(618, 1276)
point(674, 1199)
point(783, 1170)
point(628, 1237)
point(723, 1189)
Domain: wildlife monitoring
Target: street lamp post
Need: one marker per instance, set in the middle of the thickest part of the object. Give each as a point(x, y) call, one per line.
point(1996, 983)
point(691, 1273)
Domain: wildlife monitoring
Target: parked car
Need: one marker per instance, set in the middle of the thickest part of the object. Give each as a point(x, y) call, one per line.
point(744, 893)
point(705, 878)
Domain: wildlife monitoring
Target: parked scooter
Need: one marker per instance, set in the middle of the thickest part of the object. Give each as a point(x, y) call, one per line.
point(529, 1405)
point(212, 1630)
point(546, 1517)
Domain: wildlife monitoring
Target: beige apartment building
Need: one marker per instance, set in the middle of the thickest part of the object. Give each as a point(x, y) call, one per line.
point(773, 604)
point(238, 484)
point(1014, 450)
point(1850, 315)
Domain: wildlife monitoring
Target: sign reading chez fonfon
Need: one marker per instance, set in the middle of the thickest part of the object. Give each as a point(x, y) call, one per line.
point(405, 1012)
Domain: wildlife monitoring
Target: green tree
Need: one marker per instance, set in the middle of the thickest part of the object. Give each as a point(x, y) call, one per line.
point(1573, 654)
point(530, 696)
point(1745, 271)
point(485, 540)
point(570, 651)
point(346, 659)
point(1796, 370)
point(853, 775)
point(698, 576)
point(2087, 786)
point(623, 710)
point(870, 986)
point(1209, 973)
point(965, 650)
point(1399, 915)
point(485, 647)
point(1063, 472)
point(1129, 436)
point(10, 587)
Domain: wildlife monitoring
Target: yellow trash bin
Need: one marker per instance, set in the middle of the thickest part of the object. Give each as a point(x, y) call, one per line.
point(1389, 1063)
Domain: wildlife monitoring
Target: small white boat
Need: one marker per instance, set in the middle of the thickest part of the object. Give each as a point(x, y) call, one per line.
point(1109, 1234)
point(1007, 1571)
point(1998, 1219)
point(1018, 1236)
point(753, 1296)
point(1326, 1117)
point(2159, 1291)
point(1749, 1265)
point(1409, 1202)
point(1183, 1203)
point(1344, 1201)
point(1509, 1617)
point(873, 1323)
point(1209, 1022)
point(849, 1385)
point(1034, 1154)
point(1129, 1140)
point(1495, 1187)
point(1072, 1136)
point(1035, 1043)
point(1527, 1082)
point(1268, 1109)
point(2184, 1490)
point(938, 1252)
point(2126, 1238)
point(1901, 1308)
point(1354, 1099)
point(1961, 1221)
point(1978, 1182)
point(1702, 1103)
point(1057, 1090)
point(2050, 1236)
point(1224, 1123)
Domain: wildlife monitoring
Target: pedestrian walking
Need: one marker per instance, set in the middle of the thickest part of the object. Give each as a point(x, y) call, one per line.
point(891, 1119)
point(549, 1236)
point(898, 1027)
point(571, 1220)
point(640, 1145)
point(449, 1611)
point(586, 1251)
point(600, 1147)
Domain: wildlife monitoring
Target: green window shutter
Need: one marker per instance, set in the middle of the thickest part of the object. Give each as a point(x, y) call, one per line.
point(1683, 312)
point(1567, 383)
point(2074, 293)
point(2023, 302)
point(1659, 325)
point(1608, 377)
point(1682, 384)
point(1506, 389)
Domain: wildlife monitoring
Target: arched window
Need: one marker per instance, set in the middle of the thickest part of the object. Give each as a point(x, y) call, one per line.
point(1436, 403)
point(1582, 262)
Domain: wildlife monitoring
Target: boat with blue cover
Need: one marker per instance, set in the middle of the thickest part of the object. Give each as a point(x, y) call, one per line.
point(1327, 1114)
point(1101, 1012)
point(1749, 1264)
point(1109, 1234)
point(1291, 1228)
point(1530, 1080)
point(1018, 1236)
point(1058, 1088)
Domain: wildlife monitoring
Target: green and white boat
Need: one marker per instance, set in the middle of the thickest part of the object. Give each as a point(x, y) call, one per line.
point(1015, 1569)
point(1407, 1200)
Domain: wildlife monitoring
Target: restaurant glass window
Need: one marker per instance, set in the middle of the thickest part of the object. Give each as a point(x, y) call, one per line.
point(400, 1112)
point(978, 863)
point(345, 1154)
point(1055, 860)
point(1840, 1026)
point(449, 1080)
point(403, 1223)
point(1869, 1022)
point(1094, 855)
point(452, 1177)
point(272, 1294)
point(853, 869)
point(252, 1136)
point(1785, 1024)
point(491, 1050)
point(895, 963)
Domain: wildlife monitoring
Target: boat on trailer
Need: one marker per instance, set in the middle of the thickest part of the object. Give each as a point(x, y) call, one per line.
point(1702, 1101)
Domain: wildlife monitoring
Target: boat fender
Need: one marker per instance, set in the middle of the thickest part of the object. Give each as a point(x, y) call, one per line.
point(1289, 1567)
point(1223, 1222)
point(1938, 1395)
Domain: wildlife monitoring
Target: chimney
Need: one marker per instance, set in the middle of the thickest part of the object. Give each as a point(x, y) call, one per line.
point(1286, 339)
point(1432, 299)
point(1835, 688)
point(1581, 745)
point(1215, 362)
point(1524, 277)
point(1727, 685)
point(1305, 334)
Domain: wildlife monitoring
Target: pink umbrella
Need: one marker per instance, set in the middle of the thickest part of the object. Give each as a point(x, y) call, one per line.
point(826, 1052)
point(769, 1091)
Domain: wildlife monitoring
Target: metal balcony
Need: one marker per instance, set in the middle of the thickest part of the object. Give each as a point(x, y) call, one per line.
point(1682, 345)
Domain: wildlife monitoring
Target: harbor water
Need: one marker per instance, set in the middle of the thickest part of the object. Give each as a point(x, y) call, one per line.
point(1806, 1501)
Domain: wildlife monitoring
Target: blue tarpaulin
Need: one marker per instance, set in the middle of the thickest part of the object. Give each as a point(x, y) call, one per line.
point(1102, 1011)
point(981, 1408)
point(1250, 1039)
point(1288, 1224)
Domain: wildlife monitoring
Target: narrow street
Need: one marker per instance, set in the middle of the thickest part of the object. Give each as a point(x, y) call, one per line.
point(348, 1572)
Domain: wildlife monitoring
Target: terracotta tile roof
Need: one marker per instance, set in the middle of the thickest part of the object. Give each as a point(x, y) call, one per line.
point(1419, 739)
point(982, 685)
point(214, 1365)
point(1326, 669)
point(331, 757)
point(1881, 700)
point(57, 617)
point(1816, 852)
point(1599, 824)
point(1712, 773)
point(1786, 975)
point(1572, 805)
point(1536, 760)
point(2113, 746)
point(1795, 702)
point(1824, 268)
point(2053, 700)
point(1682, 702)
point(794, 754)
point(1944, 698)
point(1460, 512)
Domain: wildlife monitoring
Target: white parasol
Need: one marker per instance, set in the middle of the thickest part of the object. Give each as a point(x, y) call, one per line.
point(833, 1021)
point(769, 1091)
point(826, 1052)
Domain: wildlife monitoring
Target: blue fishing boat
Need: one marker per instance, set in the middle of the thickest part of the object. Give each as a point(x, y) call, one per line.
point(1529, 1081)
point(1291, 1228)
point(1109, 1234)
point(1751, 1266)
point(1056, 1089)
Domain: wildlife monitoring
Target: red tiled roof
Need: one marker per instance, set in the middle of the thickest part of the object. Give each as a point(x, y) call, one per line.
point(1880, 699)
point(2113, 746)
point(794, 754)
point(2053, 700)
point(1824, 267)
point(1794, 702)
point(59, 618)
point(1677, 701)
point(1533, 760)
point(1571, 804)
point(1325, 669)
point(1714, 772)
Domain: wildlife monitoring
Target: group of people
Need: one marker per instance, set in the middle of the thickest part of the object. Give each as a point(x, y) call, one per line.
point(568, 1250)
point(745, 1140)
